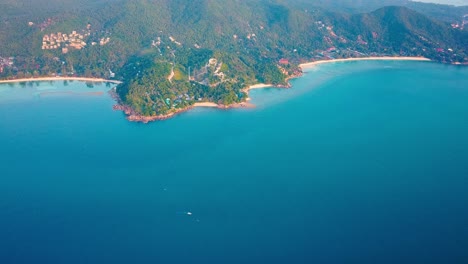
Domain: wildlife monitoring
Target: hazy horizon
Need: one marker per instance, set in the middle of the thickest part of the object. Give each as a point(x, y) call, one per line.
point(446, 2)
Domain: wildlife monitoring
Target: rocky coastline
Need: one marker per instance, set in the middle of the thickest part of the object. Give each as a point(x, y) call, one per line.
point(133, 116)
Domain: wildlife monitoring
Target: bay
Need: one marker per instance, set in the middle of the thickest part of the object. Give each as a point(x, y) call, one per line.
point(360, 162)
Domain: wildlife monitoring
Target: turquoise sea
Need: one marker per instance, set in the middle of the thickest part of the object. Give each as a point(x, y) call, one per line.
point(360, 162)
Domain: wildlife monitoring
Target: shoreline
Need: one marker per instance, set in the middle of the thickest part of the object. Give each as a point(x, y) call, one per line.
point(258, 86)
point(45, 79)
point(206, 104)
point(255, 86)
point(132, 116)
point(315, 63)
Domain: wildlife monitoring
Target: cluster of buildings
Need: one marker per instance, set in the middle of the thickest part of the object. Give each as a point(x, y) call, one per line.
point(156, 42)
point(217, 69)
point(6, 63)
point(103, 41)
point(461, 25)
point(210, 75)
point(45, 24)
point(283, 61)
point(361, 41)
point(64, 41)
point(179, 99)
point(331, 34)
point(173, 40)
point(69, 41)
point(251, 36)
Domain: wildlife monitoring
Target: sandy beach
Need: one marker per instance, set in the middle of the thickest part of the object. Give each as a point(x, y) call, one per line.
point(255, 86)
point(214, 105)
point(258, 86)
point(44, 79)
point(205, 104)
point(314, 63)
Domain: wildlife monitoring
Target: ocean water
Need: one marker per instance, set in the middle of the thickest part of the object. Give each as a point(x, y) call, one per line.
point(360, 162)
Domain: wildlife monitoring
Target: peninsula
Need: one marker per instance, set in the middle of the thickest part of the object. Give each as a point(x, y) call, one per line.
point(135, 117)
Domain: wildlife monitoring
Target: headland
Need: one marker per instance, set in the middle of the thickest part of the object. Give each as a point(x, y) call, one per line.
point(135, 117)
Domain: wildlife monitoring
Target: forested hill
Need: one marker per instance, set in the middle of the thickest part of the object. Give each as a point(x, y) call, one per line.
point(448, 13)
point(172, 53)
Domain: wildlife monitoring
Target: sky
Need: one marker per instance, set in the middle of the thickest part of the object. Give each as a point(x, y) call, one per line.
point(450, 2)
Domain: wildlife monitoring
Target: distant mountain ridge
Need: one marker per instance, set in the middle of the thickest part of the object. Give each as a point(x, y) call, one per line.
point(448, 13)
